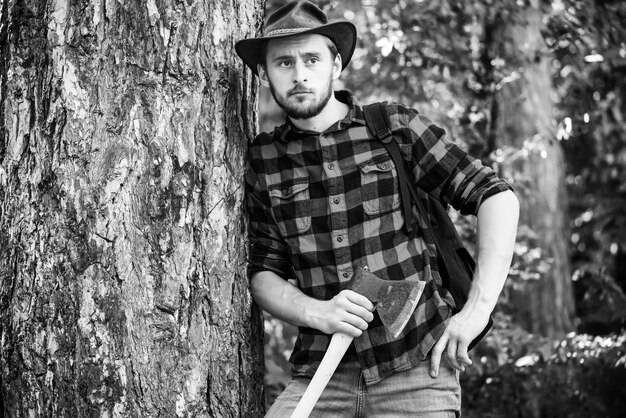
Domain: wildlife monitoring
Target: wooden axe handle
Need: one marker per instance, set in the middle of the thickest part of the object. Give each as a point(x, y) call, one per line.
point(338, 346)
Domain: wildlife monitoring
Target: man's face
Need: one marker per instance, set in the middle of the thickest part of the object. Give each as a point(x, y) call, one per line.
point(300, 72)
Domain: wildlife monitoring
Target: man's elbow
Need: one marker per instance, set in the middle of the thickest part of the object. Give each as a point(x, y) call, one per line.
point(265, 282)
point(256, 284)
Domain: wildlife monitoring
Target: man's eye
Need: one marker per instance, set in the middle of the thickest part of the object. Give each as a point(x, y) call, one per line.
point(285, 63)
point(313, 60)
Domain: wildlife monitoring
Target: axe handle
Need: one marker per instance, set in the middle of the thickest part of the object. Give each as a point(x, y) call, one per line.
point(339, 343)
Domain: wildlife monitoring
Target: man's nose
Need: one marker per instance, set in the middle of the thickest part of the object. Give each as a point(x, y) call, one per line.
point(299, 75)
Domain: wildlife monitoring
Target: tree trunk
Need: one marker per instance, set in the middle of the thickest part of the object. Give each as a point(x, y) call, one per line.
point(525, 121)
point(122, 241)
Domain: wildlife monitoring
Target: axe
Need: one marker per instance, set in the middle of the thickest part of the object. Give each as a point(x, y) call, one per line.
point(395, 301)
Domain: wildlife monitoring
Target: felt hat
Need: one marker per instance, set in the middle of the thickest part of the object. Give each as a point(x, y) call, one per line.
point(298, 18)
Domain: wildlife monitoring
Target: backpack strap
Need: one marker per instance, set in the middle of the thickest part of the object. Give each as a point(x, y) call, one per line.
point(377, 121)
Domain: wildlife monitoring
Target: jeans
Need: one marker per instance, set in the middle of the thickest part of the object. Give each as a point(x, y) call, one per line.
point(410, 393)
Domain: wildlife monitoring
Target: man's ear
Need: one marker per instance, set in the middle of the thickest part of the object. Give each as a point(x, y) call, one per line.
point(263, 75)
point(337, 65)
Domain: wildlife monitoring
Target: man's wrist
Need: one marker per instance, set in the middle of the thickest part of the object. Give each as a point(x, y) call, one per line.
point(480, 302)
point(476, 310)
point(309, 316)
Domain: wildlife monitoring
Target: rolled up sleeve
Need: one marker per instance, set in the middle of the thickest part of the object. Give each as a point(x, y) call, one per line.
point(267, 249)
point(447, 172)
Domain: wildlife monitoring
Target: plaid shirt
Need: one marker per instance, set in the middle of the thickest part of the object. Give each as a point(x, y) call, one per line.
point(321, 204)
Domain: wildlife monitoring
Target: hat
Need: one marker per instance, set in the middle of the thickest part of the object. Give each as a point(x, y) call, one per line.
point(298, 18)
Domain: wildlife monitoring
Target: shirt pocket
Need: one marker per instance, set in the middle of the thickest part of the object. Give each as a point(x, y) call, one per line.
point(379, 185)
point(291, 206)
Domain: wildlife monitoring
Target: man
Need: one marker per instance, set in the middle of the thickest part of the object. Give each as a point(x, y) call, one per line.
point(323, 199)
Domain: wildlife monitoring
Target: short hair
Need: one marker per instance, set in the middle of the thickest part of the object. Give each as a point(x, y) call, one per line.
point(329, 43)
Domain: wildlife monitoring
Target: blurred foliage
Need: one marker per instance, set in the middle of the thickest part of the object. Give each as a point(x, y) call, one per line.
point(524, 375)
point(279, 341)
point(444, 58)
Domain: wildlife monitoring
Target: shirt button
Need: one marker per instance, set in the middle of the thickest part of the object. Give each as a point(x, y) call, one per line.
point(339, 238)
point(336, 201)
point(331, 166)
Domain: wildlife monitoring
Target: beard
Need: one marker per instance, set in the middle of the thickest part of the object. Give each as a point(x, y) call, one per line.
point(300, 109)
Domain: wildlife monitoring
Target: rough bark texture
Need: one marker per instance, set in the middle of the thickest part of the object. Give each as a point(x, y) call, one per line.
point(123, 131)
point(544, 306)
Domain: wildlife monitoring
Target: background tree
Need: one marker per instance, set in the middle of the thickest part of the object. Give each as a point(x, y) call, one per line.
point(123, 128)
point(523, 121)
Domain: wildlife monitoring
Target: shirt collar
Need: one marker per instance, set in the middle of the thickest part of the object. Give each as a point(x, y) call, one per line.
point(289, 131)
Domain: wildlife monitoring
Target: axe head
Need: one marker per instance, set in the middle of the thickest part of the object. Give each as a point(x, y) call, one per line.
point(395, 300)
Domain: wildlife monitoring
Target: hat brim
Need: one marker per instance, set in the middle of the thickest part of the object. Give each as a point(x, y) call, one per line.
point(342, 33)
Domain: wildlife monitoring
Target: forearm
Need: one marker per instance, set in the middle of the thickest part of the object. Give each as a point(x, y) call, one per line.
point(496, 231)
point(281, 299)
point(347, 312)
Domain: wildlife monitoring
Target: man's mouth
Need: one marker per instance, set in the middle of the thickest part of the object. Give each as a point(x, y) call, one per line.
point(296, 92)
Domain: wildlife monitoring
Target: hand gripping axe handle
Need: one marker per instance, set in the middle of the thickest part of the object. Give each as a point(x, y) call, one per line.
point(395, 302)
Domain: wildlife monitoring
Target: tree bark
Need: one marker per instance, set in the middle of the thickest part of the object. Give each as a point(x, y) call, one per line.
point(123, 129)
point(525, 122)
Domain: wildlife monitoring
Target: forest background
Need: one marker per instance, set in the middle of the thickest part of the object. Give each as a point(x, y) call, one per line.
point(537, 90)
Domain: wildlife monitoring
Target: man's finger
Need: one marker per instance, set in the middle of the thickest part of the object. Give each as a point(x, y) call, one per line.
point(451, 353)
point(361, 312)
point(351, 329)
point(435, 355)
point(360, 300)
point(356, 321)
point(355, 307)
point(462, 355)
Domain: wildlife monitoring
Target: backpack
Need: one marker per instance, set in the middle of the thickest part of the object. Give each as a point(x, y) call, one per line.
point(456, 265)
